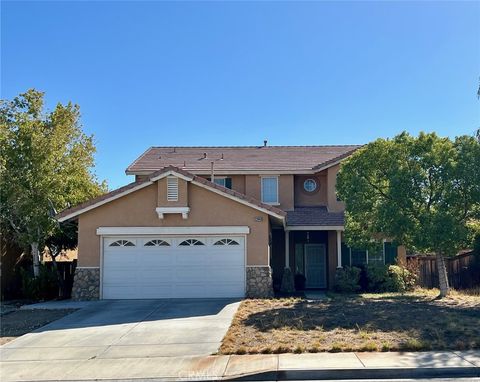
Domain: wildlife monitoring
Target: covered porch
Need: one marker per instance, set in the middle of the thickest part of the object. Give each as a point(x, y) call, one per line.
point(310, 245)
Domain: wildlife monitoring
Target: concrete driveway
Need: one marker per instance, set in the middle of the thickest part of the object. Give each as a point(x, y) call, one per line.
point(129, 329)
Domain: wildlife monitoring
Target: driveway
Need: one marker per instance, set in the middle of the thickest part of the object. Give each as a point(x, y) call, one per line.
point(129, 329)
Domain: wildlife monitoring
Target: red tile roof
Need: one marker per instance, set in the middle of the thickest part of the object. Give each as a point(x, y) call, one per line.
point(247, 159)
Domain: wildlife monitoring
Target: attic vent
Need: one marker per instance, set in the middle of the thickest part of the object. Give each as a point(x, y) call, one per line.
point(172, 188)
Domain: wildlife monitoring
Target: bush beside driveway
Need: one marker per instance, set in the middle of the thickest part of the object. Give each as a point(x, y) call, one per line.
point(365, 322)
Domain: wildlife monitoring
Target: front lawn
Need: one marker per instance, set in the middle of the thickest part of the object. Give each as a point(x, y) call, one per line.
point(365, 322)
point(16, 323)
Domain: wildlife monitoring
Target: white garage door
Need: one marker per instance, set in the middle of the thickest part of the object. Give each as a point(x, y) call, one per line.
point(173, 267)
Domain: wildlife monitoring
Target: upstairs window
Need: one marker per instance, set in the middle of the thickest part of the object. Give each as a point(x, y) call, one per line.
point(310, 185)
point(225, 182)
point(172, 188)
point(270, 189)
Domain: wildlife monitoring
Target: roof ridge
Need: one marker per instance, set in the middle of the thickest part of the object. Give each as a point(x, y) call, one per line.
point(249, 147)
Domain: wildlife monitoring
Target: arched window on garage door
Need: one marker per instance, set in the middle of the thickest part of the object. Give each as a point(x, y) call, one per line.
point(191, 242)
point(226, 242)
point(122, 243)
point(157, 243)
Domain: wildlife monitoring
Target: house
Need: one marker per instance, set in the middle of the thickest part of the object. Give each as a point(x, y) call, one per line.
point(216, 222)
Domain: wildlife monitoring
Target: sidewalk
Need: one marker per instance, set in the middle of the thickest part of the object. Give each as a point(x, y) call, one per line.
point(248, 367)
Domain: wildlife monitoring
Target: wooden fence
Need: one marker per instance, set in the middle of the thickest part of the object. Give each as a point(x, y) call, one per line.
point(67, 269)
point(463, 271)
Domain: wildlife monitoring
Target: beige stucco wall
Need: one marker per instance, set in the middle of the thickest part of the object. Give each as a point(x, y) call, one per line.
point(253, 185)
point(285, 192)
point(138, 210)
point(334, 205)
point(238, 181)
point(162, 194)
point(308, 199)
point(401, 254)
point(140, 178)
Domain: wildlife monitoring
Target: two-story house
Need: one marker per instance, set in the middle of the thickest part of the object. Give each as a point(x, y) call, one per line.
point(216, 222)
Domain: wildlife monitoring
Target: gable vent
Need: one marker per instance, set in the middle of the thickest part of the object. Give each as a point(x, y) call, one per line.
point(172, 188)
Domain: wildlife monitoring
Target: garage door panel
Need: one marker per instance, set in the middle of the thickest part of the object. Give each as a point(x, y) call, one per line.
point(173, 271)
point(235, 258)
point(165, 259)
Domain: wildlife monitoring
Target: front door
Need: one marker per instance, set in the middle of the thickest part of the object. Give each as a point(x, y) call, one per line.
point(315, 266)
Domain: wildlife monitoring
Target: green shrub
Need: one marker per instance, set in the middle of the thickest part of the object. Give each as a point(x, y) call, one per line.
point(404, 280)
point(43, 287)
point(394, 281)
point(347, 279)
point(377, 277)
point(393, 278)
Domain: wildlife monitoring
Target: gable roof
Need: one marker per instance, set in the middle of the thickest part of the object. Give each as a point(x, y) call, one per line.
point(169, 170)
point(241, 160)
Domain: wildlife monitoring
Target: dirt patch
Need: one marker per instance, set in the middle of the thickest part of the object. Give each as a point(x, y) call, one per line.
point(368, 322)
point(19, 322)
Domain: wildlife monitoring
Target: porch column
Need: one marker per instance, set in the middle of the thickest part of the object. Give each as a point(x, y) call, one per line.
point(287, 249)
point(339, 249)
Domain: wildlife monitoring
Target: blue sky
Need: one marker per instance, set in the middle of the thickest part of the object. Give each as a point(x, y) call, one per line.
point(234, 73)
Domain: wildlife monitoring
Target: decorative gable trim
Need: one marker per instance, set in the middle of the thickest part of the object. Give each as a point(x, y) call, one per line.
point(161, 211)
point(170, 173)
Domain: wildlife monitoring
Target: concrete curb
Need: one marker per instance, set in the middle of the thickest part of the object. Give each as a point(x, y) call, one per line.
point(324, 374)
point(366, 373)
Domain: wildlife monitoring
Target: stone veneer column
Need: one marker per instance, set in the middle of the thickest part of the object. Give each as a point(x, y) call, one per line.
point(259, 282)
point(86, 284)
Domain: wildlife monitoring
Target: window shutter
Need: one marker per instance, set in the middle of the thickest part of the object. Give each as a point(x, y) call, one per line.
point(172, 188)
point(228, 183)
point(345, 255)
point(390, 253)
point(359, 257)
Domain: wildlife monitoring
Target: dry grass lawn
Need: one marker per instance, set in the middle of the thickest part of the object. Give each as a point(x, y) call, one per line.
point(19, 322)
point(365, 322)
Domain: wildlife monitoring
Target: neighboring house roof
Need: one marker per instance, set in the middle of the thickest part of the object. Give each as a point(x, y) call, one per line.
point(242, 160)
point(169, 170)
point(314, 216)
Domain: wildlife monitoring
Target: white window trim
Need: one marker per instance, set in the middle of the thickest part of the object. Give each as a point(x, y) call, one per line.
point(161, 211)
point(277, 203)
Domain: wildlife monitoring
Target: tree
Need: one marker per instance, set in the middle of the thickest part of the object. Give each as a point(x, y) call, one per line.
point(423, 192)
point(45, 165)
point(63, 237)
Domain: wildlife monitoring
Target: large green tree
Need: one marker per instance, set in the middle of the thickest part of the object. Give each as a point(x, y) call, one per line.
point(46, 165)
point(423, 192)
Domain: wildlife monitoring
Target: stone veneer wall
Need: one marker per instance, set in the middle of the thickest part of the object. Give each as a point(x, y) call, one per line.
point(259, 282)
point(86, 284)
